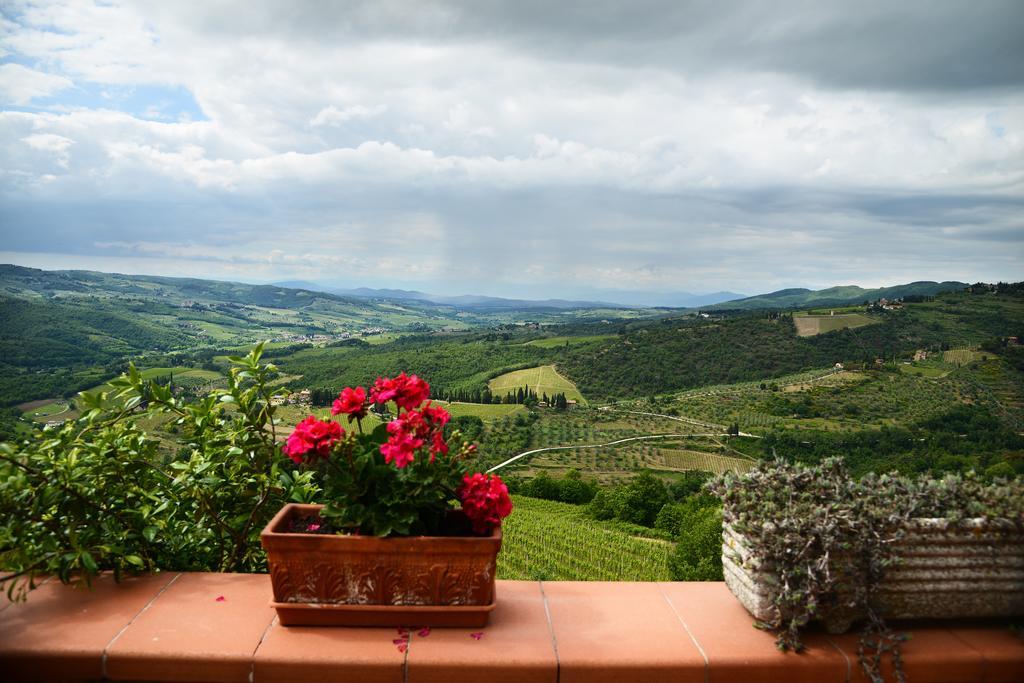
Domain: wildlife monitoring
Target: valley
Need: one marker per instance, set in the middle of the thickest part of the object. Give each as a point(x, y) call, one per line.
point(558, 400)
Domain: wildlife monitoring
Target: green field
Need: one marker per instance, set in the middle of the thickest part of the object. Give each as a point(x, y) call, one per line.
point(705, 462)
point(542, 380)
point(290, 415)
point(554, 541)
point(555, 342)
point(43, 411)
point(924, 370)
point(810, 325)
point(48, 409)
point(486, 412)
point(181, 376)
point(383, 338)
point(859, 308)
point(964, 356)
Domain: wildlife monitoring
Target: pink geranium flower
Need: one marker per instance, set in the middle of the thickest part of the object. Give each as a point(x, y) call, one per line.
point(351, 402)
point(485, 501)
point(400, 449)
point(312, 437)
point(407, 391)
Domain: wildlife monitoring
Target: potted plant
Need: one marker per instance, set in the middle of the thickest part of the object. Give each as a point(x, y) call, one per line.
point(804, 543)
point(389, 546)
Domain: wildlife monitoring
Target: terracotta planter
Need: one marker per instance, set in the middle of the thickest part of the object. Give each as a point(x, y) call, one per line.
point(335, 580)
point(973, 569)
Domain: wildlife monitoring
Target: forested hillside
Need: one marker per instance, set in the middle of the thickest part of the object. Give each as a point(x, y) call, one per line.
point(658, 358)
point(466, 361)
point(836, 296)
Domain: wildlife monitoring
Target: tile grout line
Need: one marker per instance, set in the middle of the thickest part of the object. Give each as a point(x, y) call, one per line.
point(846, 658)
point(551, 630)
point(103, 658)
point(707, 664)
point(252, 665)
point(981, 655)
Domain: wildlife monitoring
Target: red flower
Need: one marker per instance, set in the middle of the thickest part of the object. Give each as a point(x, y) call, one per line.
point(312, 436)
point(413, 392)
point(438, 447)
point(409, 422)
point(400, 448)
point(352, 402)
point(485, 501)
point(407, 391)
point(411, 430)
point(435, 415)
point(385, 389)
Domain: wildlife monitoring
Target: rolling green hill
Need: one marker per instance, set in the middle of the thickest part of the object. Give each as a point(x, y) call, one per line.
point(63, 331)
point(688, 352)
point(835, 296)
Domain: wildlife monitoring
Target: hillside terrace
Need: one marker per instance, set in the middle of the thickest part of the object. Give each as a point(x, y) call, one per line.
point(219, 627)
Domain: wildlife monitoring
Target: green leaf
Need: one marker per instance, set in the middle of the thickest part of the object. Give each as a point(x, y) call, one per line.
point(135, 560)
point(88, 562)
point(379, 433)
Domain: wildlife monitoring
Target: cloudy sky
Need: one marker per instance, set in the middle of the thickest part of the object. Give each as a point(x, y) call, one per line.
point(516, 148)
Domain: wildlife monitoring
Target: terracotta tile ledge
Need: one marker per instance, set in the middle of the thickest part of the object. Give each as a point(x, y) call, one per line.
point(219, 627)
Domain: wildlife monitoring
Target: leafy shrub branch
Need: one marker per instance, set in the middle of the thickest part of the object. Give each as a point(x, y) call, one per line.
point(94, 494)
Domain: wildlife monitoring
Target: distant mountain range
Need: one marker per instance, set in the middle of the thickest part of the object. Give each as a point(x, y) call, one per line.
point(836, 296)
point(295, 294)
point(784, 298)
point(491, 303)
point(465, 301)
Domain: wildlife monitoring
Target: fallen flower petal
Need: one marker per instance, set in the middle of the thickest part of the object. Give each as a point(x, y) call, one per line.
point(221, 598)
point(423, 632)
point(476, 636)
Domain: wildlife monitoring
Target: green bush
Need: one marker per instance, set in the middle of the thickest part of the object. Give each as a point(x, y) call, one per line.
point(573, 489)
point(643, 500)
point(569, 489)
point(94, 494)
point(698, 552)
point(607, 503)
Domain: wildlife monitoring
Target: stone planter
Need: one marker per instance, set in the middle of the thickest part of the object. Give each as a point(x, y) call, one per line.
point(943, 570)
point(336, 580)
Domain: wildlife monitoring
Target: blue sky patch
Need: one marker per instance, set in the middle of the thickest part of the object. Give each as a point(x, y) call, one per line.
point(167, 103)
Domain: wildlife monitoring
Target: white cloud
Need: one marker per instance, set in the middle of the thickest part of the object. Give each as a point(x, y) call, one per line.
point(442, 140)
point(58, 145)
point(21, 85)
point(332, 116)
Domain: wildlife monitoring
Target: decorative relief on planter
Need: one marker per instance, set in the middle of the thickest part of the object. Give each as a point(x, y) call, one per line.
point(942, 570)
point(372, 583)
point(345, 573)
